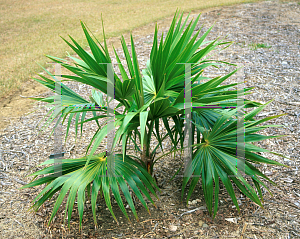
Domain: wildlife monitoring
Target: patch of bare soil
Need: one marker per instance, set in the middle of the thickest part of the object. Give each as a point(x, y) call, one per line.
point(266, 41)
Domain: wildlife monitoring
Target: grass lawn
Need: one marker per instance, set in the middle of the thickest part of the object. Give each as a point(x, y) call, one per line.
point(31, 28)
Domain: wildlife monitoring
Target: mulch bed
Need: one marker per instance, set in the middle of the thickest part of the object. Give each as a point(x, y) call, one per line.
point(266, 42)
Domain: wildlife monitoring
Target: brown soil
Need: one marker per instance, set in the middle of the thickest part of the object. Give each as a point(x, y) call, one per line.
point(275, 74)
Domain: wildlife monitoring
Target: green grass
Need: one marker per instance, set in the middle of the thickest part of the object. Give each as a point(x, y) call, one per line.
point(255, 46)
point(30, 29)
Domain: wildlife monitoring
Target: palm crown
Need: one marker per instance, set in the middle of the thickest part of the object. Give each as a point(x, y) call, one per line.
point(148, 100)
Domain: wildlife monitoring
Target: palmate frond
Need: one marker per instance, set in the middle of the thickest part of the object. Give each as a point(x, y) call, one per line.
point(216, 158)
point(71, 104)
point(72, 178)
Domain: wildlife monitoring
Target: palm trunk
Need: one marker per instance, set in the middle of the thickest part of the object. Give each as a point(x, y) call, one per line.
point(147, 158)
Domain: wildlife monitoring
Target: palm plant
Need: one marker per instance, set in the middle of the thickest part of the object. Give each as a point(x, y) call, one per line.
point(149, 100)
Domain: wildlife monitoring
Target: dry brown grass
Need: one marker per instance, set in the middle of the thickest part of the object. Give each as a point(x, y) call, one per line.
point(31, 28)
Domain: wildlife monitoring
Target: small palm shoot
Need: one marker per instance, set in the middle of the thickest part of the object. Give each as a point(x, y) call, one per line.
point(148, 101)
